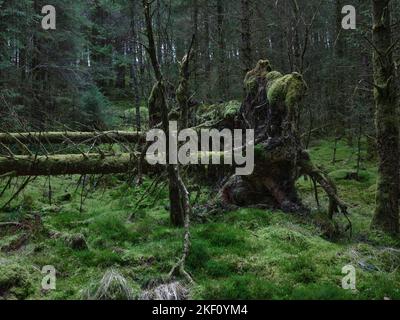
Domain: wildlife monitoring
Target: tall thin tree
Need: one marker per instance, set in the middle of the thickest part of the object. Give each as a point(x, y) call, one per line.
point(387, 125)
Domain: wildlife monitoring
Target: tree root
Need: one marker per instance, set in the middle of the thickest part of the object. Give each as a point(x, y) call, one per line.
point(336, 205)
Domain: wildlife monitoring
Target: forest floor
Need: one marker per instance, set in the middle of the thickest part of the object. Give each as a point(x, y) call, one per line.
point(246, 254)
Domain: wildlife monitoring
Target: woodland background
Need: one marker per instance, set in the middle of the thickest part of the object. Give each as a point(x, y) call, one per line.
point(110, 238)
point(70, 75)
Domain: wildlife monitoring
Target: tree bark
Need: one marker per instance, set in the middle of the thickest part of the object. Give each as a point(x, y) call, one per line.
point(177, 211)
point(246, 50)
point(222, 71)
point(71, 136)
point(207, 53)
point(56, 165)
point(387, 125)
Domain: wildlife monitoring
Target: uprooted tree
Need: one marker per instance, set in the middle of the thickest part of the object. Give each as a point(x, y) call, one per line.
point(271, 108)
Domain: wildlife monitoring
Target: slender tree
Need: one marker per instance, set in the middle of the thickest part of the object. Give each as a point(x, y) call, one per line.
point(387, 125)
point(246, 45)
point(177, 210)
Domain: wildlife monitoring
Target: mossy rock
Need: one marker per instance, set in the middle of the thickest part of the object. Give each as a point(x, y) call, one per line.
point(15, 282)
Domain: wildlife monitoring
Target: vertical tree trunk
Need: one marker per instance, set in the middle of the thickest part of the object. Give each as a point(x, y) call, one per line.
point(195, 59)
point(135, 66)
point(387, 126)
point(207, 56)
point(159, 31)
point(177, 210)
point(120, 67)
point(339, 53)
point(246, 51)
point(222, 74)
point(295, 46)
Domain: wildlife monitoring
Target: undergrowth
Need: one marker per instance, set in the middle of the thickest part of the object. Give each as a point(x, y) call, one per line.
point(246, 254)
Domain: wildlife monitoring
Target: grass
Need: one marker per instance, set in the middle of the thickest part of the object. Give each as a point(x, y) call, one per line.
point(246, 254)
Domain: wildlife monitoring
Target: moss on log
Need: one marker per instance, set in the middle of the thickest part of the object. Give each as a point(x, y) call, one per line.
point(93, 163)
point(68, 164)
point(71, 136)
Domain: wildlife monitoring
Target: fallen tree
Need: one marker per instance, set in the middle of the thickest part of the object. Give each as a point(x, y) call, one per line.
point(55, 165)
point(271, 108)
point(66, 137)
point(86, 163)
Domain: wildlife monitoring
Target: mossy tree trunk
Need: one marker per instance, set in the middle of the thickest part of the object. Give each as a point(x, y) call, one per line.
point(65, 164)
point(176, 196)
point(387, 125)
point(182, 93)
point(68, 137)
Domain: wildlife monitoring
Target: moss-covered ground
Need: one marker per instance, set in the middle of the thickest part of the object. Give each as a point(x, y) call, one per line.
point(246, 254)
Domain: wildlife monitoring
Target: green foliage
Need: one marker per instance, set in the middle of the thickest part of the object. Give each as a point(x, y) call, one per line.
point(15, 281)
point(94, 106)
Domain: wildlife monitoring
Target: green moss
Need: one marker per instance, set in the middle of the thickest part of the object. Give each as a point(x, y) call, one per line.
point(244, 254)
point(274, 75)
point(215, 112)
point(259, 72)
point(15, 281)
point(231, 108)
point(259, 151)
point(322, 291)
point(224, 236)
point(242, 287)
point(288, 89)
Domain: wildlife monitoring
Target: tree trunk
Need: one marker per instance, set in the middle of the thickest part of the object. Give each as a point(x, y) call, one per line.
point(246, 51)
point(70, 137)
point(68, 164)
point(222, 72)
point(176, 198)
point(387, 126)
point(120, 82)
point(207, 55)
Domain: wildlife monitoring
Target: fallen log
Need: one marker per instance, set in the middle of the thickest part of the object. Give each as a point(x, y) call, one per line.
point(71, 136)
point(91, 163)
point(55, 165)
point(271, 108)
